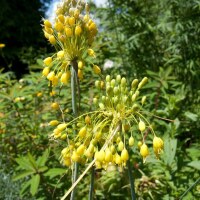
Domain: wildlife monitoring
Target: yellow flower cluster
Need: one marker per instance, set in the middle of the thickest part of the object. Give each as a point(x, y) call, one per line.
point(107, 134)
point(72, 34)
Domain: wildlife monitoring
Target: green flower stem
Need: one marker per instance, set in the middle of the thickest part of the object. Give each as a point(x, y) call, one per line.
point(131, 180)
point(74, 86)
point(91, 183)
point(189, 188)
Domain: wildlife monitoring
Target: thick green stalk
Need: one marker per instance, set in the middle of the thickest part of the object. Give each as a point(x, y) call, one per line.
point(91, 184)
point(74, 89)
point(131, 180)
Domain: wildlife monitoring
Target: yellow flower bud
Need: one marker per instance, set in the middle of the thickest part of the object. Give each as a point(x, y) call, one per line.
point(55, 80)
point(91, 148)
point(65, 151)
point(87, 120)
point(65, 77)
point(61, 18)
point(80, 74)
point(76, 13)
point(46, 71)
point(78, 30)
point(68, 32)
point(67, 162)
point(88, 154)
point(143, 100)
point(141, 125)
point(63, 136)
point(131, 141)
point(47, 23)
point(108, 155)
point(62, 127)
point(51, 76)
point(48, 30)
point(54, 122)
point(100, 156)
point(124, 155)
point(80, 64)
point(91, 52)
point(143, 82)
point(39, 94)
point(158, 142)
point(58, 26)
point(61, 37)
point(55, 106)
point(52, 39)
point(144, 151)
point(96, 69)
point(134, 83)
point(52, 93)
point(80, 150)
point(60, 54)
point(120, 146)
point(67, 20)
point(71, 21)
point(47, 61)
point(75, 157)
point(139, 144)
point(86, 18)
point(157, 145)
point(46, 35)
point(92, 26)
point(82, 132)
point(118, 159)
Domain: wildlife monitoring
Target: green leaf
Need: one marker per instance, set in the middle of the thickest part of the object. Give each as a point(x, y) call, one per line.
point(42, 159)
point(43, 169)
point(170, 150)
point(35, 181)
point(24, 187)
point(55, 172)
point(24, 163)
point(195, 164)
point(40, 62)
point(191, 116)
point(3, 95)
point(32, 160)
point(22, 175)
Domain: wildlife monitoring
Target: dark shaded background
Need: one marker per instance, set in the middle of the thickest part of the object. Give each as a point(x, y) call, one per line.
point(22, 34)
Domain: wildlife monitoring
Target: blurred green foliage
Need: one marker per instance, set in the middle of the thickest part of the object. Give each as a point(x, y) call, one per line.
point(157, 39)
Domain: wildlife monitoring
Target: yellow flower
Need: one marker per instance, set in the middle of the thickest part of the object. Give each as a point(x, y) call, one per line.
point(96, 69)
point(144, 151)
point(158, 145)
point(141, 125)
point(47, 61)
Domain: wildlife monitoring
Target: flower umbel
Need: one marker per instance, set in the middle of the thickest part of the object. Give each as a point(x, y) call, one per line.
point(72, 35)
point(118, 107)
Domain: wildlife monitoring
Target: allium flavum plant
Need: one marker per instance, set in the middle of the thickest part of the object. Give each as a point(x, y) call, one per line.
point(72, 35)
point(104, 136)
point(107, 133)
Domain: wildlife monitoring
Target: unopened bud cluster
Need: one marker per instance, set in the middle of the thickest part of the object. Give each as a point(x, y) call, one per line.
point(72, 34)
point(107, 134)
